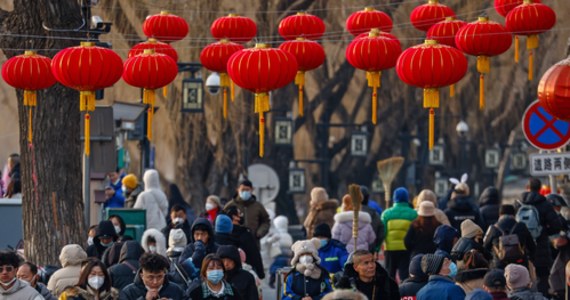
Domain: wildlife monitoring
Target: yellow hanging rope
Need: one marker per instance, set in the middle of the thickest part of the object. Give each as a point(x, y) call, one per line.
point(30, 101)
point(261, 106)
point(300, 81)
point(87, 133)
point(482, 91)
point(30, 135)
point(374, 82)
point(431, 101)
point(225, 103)
point(517, 49)
point(431, 134)
point(232, 90)
point(452, 90)
point(483, 67)
point(531, 44)
point(165, 91)
point(87, 104)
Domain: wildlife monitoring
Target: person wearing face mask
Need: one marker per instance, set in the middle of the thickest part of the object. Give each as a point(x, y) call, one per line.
point(254, 214)
point(151, 281)
point(153, 241)
point(471, 239)
point(10, 286)
point(105, 236)
point(211, 284)
point(91, 232)
point(212, 208)
point(94, 284)
point(131, 189)
point(333, 253)
point(307, 280)
point(111, 255)
point(239, 278)
point(178, 220)
point(440, 286)
point(70, 258)
point(28, 272)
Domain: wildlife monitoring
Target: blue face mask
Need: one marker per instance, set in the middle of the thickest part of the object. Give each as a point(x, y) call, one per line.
point(324, 243)
point(214, 276)
point(452, 270)
point(245, 195)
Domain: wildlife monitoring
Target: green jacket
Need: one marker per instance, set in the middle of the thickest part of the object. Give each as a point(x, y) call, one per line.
point(397, 220)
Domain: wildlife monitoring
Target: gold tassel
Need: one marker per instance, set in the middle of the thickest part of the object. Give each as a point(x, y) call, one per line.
point(431, 98)
point(482, 91)
point(431, 134)
point(82, 101)
point(261, 106)
point(530, 65)
point(87, 133)
point(452, 90)
point(149, 123)
point(532, 41)
point(225, 103)
point(261, 134)
point(148, 96)
point(30, 135)
point(517, 49)
point(86, 101)
point(164, 91)
point(374, 82)
point(232, 90)
point(30, 98)
point(483, 64)
point(300, 81)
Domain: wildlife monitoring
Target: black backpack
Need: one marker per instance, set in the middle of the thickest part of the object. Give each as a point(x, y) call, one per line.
point(508, 249)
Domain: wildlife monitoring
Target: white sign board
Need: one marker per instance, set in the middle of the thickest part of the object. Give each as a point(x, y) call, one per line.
point(542, 164)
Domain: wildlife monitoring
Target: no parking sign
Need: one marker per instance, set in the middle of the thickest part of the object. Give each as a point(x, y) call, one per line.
point(543, 130)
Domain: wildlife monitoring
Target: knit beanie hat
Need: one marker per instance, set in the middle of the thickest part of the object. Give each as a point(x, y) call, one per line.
point(223, 224)
point(401, 195)
point(176, 240)
point(517, 276)
point(432, 263)
point(495, 279)
point(306, 247)
point(415, 267)
point(478, 294)
point(130, 181)
point(323, 230)
point(469, 229)
point(427, 209)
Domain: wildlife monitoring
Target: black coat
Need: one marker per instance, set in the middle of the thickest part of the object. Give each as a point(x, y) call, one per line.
point(105, 228)
point(137, 290)
point(465, 245)
point(411, 286)
point(185, 227)
point(247, 243)
point(506, 224)
point(462, 208)
point(420, 240)
point(239, 278)
point(123, 273)
point(489, 204)
point(386, 287)
point(198, 250)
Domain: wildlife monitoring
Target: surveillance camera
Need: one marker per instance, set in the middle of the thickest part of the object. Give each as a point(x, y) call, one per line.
point(213, 83)
point(96, 20)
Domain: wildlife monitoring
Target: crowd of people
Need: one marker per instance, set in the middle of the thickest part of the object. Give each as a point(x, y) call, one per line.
point(449, 248)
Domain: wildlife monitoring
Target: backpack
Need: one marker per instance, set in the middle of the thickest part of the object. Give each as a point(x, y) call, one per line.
point(509, 249)
point(528, 214)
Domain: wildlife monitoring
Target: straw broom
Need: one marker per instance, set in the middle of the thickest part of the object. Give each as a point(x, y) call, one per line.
point(387, 170)
point(356, 196)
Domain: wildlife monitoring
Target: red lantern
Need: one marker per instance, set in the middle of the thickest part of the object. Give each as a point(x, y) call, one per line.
point(554, 90)
point(214, 57)
point(503, 7)
point(87, 68)
point(431, 66)
point(380, 33)
point(309, 55)
point(302, 25)
point(483, 38)
point(373, 54)
point(363, 21)
point(29, 72)
point(150, 71)
point(165, 27)
point(260, 70)
point(426, 15)
point(444, 32)
point(158, 47)
point(234, 28)
point(530, 19)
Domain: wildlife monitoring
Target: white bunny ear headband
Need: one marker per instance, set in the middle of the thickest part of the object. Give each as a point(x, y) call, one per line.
point(464, 178)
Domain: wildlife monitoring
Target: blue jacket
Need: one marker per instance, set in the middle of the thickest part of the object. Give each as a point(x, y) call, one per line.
point(440, 288)
point(117, 201)
point(376, 206)
point(298, 286)
point(333, 256)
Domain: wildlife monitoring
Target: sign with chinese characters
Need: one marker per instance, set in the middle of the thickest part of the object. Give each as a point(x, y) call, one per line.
point(296, 180)
point(441, 187)
point(436, 155)
point(492, 158)
point(543, 130)
point(549, 164)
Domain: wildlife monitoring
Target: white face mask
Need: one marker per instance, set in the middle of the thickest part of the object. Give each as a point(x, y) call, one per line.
point(210, 206)
point(152, 249)
point(124, 189)
point(90, 241)
point(178, 221)
point(9, 282)
point(306, 259)
point(117, 229)
point(96, 282)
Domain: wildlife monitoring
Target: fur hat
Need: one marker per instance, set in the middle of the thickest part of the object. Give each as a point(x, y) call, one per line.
point(401, 195)
point(318, 195)
point(517, 277)
point(432, 263)
point(130, 181)
point(306, 247)
point(427, 209)
point(176, 240)
point(469, 229)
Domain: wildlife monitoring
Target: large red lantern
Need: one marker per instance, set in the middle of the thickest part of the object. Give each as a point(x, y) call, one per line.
point(373, 54)
point(214, 57)
point(503, 7)
point(309, 55)
point(149, 71)
point(483, 38)
point(380, 33)
point(431, 66)
point(444, 32)
point(426, 15)
point(165, 27)
point(530, 19)
point(302, 25)
point(365, 20)
point(260, 70)
point(554, 90)
point(158, 47)
point(87, 68)
point(234, 28)
point(29, 72)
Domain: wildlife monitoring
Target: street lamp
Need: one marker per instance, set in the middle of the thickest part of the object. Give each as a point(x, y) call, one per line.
point(283, 131)
point(192, 88)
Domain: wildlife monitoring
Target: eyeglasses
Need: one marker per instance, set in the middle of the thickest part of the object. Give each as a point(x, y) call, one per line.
point(7, 268)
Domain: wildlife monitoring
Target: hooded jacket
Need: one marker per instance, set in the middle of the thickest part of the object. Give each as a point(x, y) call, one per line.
point(185, 228)
point(137, 290)
point(20, 291)
point(196, 250)
point(153, 200)
point(242, 238)
point(489, 204)
point(507, 223)
point(397, 220)
point(443, 238)
point(410, 287)
point(460, 209)
point(105, 228)
point(342, 230)
point(321, 210)
point(239, 278)
point(124, 272)
point(386, 287)
point(158, 237)
point(70, 258)
point(254, 214)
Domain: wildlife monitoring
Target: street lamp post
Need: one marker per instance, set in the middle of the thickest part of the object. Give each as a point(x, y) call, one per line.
point(462, 130)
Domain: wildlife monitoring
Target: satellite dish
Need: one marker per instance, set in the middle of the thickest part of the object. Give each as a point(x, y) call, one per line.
point(265, 182)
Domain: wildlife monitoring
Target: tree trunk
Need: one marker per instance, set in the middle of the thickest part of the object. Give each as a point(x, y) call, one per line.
point(52, 205)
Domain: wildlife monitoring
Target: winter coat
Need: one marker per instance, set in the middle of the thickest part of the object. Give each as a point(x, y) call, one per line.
point(526, 294)
point(342, 230)
point(333, 256)
point(124, 272)
point(506, 224)
point(298, 286)
point(185, 227)
point(240, 279)
point(411, 286)
point(420, 239)
point(462, 208)
point(43, 290)
point(440, 288)
point(20, 291)
point(78, 293)
point(465, 245)
point(489, 204)
point(193, 254)
point(319, 213)
point(242, 237)
point(377, 226)
point(472, 279)
point(444, 237)
point(199, 291)
point(386, 287)
point(132, 196)
point(104, 228)
point(70, 258)
point(551, 224)
point(137, 290)
point(153, 200)
point(158, 237)
point(254, 214)
point(375, 206)
point(116, 201)
point(397, 220)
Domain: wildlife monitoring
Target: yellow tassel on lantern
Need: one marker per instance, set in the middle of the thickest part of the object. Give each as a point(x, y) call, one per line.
point(87, 134)
point(374, 82)
point(225, 85)
point(165, 91)
point(431, 128)
point(452, 90)
point(225, 103)
point(431, 98)
point(482, 91)
point(483, 67)
point(261, 106)
point(30, 98)
point(30, 135)
point(530, 65)
point(232, 90)
point(149, 98)
point(149, 123)
point(517, 49)
point(300, 81)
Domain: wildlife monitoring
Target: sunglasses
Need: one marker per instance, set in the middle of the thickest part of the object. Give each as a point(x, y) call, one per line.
point(6, 268)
